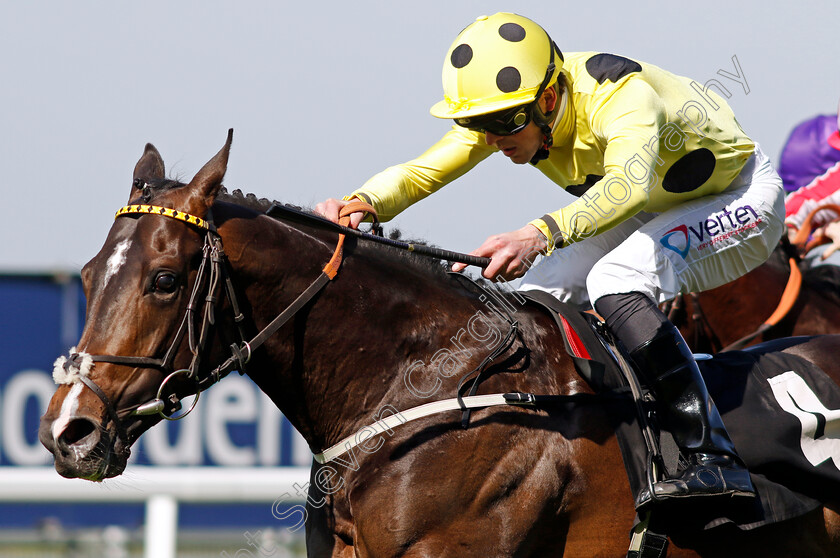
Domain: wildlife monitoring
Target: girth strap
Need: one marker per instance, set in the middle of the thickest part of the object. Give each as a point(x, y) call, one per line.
point(517, 399)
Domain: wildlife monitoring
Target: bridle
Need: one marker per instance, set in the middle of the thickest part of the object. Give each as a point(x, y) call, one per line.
point(214, 269)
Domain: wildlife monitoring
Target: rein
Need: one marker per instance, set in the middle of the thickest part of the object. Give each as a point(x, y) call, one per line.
point(293, 214)
point(801, 239)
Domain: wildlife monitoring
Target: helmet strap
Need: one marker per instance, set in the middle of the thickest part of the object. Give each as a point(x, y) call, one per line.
point(548, 141)
point(548, 136)
point(542, 120)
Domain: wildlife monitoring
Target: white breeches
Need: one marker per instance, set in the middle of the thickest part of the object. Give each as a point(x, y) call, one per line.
point(693, 247)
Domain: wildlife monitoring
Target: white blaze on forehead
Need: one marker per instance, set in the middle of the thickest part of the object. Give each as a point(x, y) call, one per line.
point(116, 261)
point(68, 410)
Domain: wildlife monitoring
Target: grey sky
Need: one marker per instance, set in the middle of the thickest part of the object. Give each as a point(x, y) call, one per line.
point(323, 95)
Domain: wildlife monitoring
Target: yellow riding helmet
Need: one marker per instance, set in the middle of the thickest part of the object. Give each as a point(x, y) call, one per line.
point(497, 62)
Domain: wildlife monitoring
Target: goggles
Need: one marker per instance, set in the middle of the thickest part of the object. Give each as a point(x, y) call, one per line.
point(502, 123)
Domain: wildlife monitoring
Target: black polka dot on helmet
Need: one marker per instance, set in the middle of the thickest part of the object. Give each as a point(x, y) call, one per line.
point(512, 32)
point(461, 56)
point(496, 63)
point(508, 79)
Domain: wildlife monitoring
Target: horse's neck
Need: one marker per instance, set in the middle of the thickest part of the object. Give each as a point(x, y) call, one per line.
point(368, 330)
point(352, 354)
point(335, 365)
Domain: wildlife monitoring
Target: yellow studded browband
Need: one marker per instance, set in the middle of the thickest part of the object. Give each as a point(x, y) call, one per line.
point(166, 212)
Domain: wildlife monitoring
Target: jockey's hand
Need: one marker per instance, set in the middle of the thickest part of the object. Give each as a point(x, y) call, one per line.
point(511, 253)
point(832, 231)
point(331, 207)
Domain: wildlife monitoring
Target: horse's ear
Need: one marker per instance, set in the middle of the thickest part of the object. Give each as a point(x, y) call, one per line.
point(206, 184)
point(149, 167)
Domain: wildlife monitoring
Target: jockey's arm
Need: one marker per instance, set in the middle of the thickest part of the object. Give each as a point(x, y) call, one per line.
point(396, 188)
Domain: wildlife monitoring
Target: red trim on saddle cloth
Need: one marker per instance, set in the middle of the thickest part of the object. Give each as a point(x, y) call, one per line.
point(575, 342)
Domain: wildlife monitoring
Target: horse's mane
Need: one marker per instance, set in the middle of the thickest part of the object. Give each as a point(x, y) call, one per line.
point(262, 205)
point(434, 267)
point(437, 268)
point(248, 201)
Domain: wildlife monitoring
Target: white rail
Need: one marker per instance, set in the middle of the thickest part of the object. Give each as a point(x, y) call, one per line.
point(161, 488)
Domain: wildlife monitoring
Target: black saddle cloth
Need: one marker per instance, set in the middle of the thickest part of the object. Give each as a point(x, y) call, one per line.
point(781, 411)
point(783, 414)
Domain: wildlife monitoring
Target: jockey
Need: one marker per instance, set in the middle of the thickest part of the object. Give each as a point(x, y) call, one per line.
point(672, 196)
point(808, 151)
point(821, 156)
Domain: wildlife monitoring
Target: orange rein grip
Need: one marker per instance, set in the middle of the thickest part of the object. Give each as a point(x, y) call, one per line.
point(789, 296)
point(331, 269)
point(356, 206)
point(804, 232)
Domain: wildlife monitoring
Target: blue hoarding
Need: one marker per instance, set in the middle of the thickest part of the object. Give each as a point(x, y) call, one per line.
point(42, 316)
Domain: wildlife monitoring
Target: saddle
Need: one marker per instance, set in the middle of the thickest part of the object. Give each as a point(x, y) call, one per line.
point(782, 412)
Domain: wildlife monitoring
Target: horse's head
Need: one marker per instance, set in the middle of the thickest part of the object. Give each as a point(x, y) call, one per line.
point(143, 338)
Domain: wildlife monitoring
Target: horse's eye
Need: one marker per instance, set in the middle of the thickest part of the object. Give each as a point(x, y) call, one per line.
point(165, 282)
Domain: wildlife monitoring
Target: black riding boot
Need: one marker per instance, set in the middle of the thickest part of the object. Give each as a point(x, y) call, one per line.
point(684, 404)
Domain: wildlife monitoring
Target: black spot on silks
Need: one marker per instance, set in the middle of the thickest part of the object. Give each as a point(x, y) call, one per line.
point(605, 67)
point(690, 172)
point(578, 190)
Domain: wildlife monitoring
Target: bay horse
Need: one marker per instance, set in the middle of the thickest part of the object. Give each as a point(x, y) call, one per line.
point(719, 318)
point(384, 333)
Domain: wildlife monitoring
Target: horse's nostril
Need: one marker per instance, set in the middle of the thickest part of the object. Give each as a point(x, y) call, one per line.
point(76, 432)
